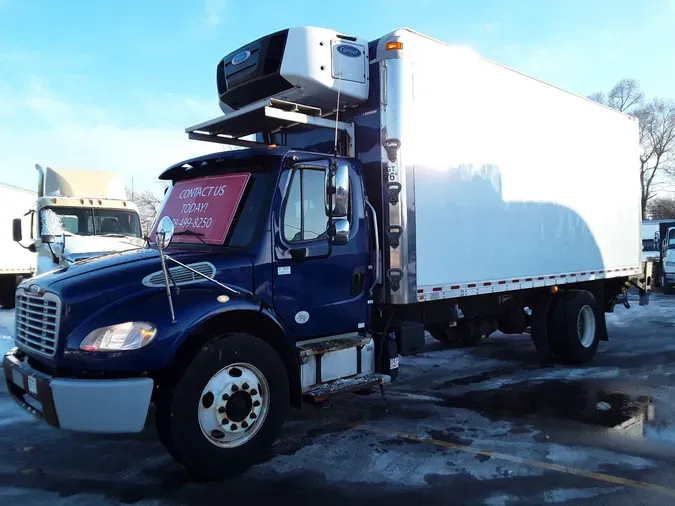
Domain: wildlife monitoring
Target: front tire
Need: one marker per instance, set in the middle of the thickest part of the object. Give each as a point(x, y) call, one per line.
point(226, 410)
point(667, 287)
point(575, 337)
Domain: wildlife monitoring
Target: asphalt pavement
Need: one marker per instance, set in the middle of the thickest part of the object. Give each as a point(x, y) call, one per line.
point(480, 425)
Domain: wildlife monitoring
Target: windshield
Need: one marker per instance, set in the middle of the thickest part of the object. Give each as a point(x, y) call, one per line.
point(224, 209)
point(89, 221)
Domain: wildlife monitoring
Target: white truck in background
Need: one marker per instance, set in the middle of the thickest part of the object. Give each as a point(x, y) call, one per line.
point(658, 247)
point(78, 214)
point(16, 263)
point(650, 240)
point(666, 241)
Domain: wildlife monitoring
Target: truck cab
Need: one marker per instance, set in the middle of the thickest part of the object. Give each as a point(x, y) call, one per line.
point(78, 214)
point(668, 258)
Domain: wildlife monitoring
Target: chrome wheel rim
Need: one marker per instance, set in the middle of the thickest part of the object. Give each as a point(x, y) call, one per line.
point(586, 326)
point(233, 405)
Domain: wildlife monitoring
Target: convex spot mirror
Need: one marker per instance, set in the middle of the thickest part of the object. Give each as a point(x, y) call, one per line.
point(165, 232)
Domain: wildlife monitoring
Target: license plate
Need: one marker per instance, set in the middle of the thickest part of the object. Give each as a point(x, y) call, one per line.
point(32, 385)
point(17, 378)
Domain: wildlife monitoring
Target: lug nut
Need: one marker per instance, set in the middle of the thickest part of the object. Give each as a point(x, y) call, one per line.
point(253, 416)
point(233, 426)
point(225, 397)
point(221, 410)
point(256, 403)
point(245, 386)
point(254, 392)
point(235, 388)
point(224, 421)
point(244, 424)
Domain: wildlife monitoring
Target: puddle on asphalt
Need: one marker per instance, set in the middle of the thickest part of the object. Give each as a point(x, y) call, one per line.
point(619, 409)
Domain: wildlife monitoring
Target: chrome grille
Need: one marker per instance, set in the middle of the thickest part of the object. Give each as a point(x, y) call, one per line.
point(37, 322)
point(181, 275)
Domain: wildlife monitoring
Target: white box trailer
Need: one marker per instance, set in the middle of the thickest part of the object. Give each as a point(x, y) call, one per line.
point(16, 262)
point(507, 182)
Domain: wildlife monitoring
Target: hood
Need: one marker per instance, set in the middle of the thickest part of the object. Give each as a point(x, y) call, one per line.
point(78, 247)
point(113, 287)
point(130, 267)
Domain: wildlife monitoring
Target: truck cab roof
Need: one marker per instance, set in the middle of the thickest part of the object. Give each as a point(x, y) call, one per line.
point(203, 165)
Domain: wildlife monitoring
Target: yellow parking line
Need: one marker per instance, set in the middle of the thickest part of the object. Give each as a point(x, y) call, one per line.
point(608, 478)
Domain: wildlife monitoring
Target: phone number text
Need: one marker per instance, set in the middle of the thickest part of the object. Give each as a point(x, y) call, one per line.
point(193, 223)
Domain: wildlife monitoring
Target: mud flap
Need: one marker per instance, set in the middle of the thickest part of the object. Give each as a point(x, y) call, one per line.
point(598, 292)
point(542, 312)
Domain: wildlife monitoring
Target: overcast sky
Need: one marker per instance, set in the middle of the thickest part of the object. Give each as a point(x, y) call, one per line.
point(113, 84)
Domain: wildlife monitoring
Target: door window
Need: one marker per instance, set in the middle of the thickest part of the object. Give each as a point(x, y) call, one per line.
point(305, 217)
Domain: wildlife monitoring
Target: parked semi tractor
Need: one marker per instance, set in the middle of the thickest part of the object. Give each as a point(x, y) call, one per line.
point(395, 186)
point(78, 214)
point(666, 264)
point(16, 263)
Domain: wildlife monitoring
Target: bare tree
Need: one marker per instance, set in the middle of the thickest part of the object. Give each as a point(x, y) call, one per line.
point(657, 134)
point(598, 97)
point(148, 206)
point(657, 139)
point(661, 209)
point(625, 95)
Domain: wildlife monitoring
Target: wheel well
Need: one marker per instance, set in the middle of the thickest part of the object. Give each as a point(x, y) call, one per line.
point(248, 322)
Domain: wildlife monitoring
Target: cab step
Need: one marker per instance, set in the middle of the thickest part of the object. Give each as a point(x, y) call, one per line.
point(320, 393)
point(332, 343)
point(337, 357)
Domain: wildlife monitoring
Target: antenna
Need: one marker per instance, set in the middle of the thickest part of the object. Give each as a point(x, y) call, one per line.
point(337, 109)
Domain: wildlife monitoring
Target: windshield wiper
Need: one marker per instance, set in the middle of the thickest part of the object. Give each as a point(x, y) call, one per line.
point(187, 231)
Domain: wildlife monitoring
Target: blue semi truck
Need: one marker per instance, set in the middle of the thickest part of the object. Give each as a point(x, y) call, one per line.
point(383, 190)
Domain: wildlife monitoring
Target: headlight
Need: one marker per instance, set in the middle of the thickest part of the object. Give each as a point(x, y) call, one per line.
point(123, 336)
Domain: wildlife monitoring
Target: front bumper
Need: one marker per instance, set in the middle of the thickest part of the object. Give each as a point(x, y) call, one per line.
point(108, 406)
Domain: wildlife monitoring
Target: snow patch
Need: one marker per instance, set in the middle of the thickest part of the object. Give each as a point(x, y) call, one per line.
point(585, 457)
point(6, 331)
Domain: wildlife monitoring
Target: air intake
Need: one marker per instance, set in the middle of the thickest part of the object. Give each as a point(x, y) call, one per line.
point(181, 276)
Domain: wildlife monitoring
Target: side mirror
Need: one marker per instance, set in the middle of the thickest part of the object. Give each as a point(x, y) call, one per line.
point(337, 188)
point(47, 239)
point(17, 234)
point(165, 232)
point(339, 233)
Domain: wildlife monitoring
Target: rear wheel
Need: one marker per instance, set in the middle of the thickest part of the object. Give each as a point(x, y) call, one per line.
point(542, 325)
point(469, 333)
point(575, 336)
point(227, 408)
point(441, 333)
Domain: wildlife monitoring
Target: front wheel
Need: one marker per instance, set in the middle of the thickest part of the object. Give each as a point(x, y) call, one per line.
point(667, 288)
point(226, 410)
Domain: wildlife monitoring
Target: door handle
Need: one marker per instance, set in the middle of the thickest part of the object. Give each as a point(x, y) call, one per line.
point(358, 280)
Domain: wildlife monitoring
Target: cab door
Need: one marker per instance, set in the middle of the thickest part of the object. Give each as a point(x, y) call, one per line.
point(319, 289)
